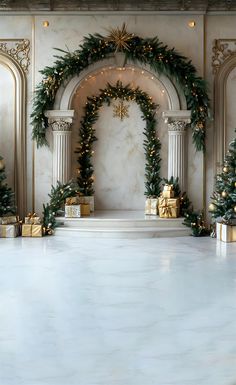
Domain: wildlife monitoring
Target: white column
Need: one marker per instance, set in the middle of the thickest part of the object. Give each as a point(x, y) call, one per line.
point(177, 153)
point(60, 122)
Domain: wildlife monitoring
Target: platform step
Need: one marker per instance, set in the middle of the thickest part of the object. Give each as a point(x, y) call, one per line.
point(145, 232)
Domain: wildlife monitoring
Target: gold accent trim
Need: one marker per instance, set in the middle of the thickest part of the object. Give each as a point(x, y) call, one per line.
point(222, 49)
point(33, 89)
point(18, 49)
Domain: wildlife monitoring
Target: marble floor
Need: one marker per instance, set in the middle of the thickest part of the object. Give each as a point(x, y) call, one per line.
point(117, 312)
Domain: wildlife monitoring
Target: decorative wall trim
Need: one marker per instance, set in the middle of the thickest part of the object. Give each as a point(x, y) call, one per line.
point(220, 106)
point(222, 49)
point(18, 49)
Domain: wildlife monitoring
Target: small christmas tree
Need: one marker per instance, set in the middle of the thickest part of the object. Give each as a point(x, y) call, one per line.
point(6, 194)
point(223, 203)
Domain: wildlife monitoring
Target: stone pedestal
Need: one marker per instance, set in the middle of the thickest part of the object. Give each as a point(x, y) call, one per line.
point(60, 122)
point(177, 159)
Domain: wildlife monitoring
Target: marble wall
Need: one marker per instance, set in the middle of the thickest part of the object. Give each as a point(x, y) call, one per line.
point(66, 32)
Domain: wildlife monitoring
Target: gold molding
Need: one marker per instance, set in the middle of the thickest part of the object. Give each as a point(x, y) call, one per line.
point(222, 49)
point(18, 49)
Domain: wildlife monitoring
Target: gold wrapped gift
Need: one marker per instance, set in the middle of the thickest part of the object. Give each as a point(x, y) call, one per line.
point(168, 191)
point(26, 230)
point(151, 206)
point(10, 231)
point(169, 208)
point(72, 211)
point(85, 209)
point(32, 219)
point(32, 230)
point(8, 220)
point(87, 200)
point(73, 200)
point(225, 233)
point(37, 230)
point(168, 187)
point(168, 194)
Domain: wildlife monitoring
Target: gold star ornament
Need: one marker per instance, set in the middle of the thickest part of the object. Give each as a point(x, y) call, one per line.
point(120, 37)
point(120, 110)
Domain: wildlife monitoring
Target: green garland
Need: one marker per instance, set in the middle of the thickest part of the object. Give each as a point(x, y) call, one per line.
point(151, 144)
point(145, 51)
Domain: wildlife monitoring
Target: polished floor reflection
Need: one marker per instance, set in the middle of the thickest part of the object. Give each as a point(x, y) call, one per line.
point(117, 312)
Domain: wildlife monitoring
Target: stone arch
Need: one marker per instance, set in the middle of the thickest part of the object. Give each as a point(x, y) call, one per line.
point(220, 145)
point(19, 130)
point(64, 96)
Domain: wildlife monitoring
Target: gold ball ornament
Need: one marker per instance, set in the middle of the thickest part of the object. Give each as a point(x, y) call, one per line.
point(225, 168)
point(2, 164)
point(212, 207)
point(224, 194)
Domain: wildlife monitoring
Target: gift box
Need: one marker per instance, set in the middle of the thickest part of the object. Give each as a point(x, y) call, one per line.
point(168, 191)
point(32, 230)
point(84, 209)
point(225, 233)
point(79, 199)
point(72, 211)
point(36, 230)
point(87, 200)
point(73, 200)
point(32, 219)
point(169, 208)
point(10, 231)
point(8, 220)
point(151, 206)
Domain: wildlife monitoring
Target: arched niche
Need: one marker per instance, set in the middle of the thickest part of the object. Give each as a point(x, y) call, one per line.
point(19, 145)
point(221, 110)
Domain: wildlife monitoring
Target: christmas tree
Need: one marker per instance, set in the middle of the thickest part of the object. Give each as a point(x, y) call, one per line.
point(6, 195)
point(223, 203)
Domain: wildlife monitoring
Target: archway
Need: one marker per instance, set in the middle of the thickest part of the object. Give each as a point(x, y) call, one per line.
point(18, 145)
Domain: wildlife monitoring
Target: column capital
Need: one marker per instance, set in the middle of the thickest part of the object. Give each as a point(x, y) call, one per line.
point(60, 120)
point(177, 126)
point(179, 116)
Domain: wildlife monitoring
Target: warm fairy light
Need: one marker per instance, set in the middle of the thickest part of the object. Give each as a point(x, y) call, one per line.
point(152, 77)
point(162, 91)
point(191, 23)
point(46, 23)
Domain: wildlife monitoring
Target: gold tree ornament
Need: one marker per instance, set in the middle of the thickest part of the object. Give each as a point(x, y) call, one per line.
point(120, 110)
point(2, 164)
point(120, 37)
point(224, 194)
point(212, 207)
point(225, 168)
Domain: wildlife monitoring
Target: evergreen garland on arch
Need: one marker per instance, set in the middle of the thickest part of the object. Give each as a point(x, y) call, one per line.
point(151, 143)
point(145, 51)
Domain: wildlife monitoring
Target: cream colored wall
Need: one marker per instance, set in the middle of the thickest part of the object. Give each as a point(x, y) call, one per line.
point(67, 31)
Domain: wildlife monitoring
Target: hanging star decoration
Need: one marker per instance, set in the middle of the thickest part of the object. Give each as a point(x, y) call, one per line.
point(120, 110)
point(120, 37)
